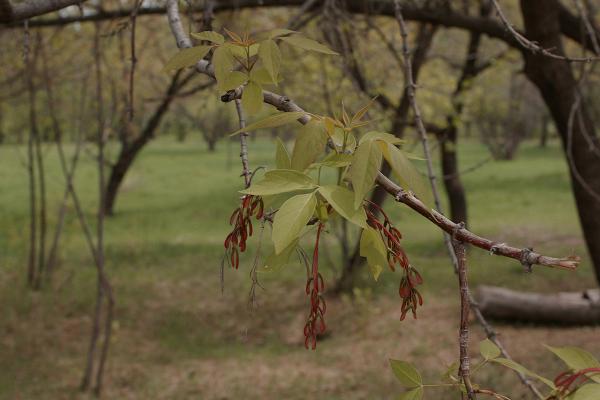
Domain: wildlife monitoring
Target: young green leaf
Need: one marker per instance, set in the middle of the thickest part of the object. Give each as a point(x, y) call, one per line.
point(209, 36)
point(233, 80)
point(223, 62)
point(252, 98)
point(261, 75)
point(282, 157)
point(518, 367)
point(406, 373)
point(577, 359)
point(342, 201)
point(291, 218)
point(414, 394)
point(373, 249)
point(338, 139)
point(408, 176)
point(310, 143)
point(272, 121)
point(280, 181)
point(187, 57)
point(335, 160)
point(361, 113)
point(366, 164)
point(275, 262)
point(308, 44)
point(269, 54)
point(275, 33)
point(386, 137)
point(489, 350)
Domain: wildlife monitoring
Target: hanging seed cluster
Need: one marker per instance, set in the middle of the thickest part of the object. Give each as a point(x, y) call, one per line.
point(241, 220)
point(315, 325)
point(411, 298)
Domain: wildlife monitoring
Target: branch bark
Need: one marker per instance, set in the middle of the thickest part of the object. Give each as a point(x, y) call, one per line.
point(31, 8)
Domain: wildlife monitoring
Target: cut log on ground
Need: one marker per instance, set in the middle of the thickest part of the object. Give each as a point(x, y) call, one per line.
point(569, 308)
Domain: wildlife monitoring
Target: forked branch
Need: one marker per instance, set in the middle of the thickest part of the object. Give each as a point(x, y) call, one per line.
point(283, 103)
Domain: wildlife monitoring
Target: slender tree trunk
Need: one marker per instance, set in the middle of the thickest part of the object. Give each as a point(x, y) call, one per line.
point(43, 213)
point(544, 131)
point(31, 160)
point(451, 176)
point(557, 84)
point(129, 152)
point(455, 190)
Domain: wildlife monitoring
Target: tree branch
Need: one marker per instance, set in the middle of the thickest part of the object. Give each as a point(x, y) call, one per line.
point(31, 8)
point(284, 103)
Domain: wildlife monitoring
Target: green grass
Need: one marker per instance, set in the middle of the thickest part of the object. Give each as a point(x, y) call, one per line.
point(178, 337)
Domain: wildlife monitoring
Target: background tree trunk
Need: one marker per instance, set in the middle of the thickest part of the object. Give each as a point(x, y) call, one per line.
point(556, 82)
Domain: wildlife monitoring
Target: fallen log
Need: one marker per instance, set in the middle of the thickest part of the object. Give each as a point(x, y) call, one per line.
point(569, 308)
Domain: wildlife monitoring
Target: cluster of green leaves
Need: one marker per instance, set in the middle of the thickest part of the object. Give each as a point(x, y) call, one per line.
point(295, 188)
point(575, 359)
point(242, 60)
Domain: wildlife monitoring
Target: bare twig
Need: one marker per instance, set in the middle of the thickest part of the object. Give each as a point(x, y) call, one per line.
point(284, 103)
point(104, 287)
point(464, 369)
point(532, 46)
point(31, 269)
point(243, 143)
point(132, 23)
point(68, 171)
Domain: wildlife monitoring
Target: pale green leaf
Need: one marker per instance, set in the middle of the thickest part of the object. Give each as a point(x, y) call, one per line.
point(291, 218)
point(279, 32)
point(335, 160)
point(269, 54)
point(272, 121)
point(577, 359)
point(261, 75)
point(414, 394)
point(586, 392)
point(282, 157)
point(280, 181)
point(372, 248)
point(386, 137)
point(305, 43)
point(338, 139)
point(252, 98)
point(342, 201)
point(275, 262)
point(223, 62)
point(187, 57)
point(209, 36)
point(407, 174)
point(518, 367)
point(406, 373)
point(233, 80)
point(366, 164)
point(274, 201)
point(310, 143)
point(489, 350)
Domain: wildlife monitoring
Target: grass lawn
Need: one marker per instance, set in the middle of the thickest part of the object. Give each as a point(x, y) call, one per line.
point(177, 337)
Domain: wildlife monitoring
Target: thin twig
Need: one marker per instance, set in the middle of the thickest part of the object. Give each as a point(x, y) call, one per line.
point(132, 23)
point(464, 369)
point(285, 104)
point(243, 143)
point(532, 46)
point(454, 257)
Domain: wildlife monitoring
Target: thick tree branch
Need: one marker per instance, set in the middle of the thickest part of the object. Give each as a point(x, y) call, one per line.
point(283, 103)
point(31, 8)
